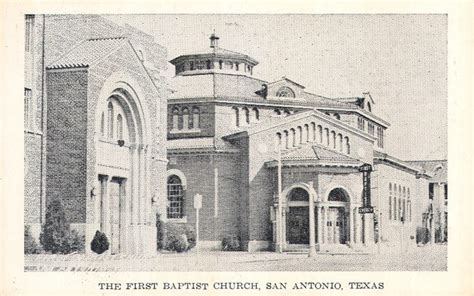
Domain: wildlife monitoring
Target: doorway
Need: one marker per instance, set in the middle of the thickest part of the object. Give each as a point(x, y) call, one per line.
point(336, 225)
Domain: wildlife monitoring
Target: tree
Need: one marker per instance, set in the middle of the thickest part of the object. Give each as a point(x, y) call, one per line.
point(54, 236)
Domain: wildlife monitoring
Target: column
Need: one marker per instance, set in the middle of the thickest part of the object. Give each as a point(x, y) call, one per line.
point(325, 228)
point(355, 237)
point(134, 198)
point(312, 234)
point(318, 223)
point(105, 215)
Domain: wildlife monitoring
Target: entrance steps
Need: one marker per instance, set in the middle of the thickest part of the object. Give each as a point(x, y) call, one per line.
point(330, 249)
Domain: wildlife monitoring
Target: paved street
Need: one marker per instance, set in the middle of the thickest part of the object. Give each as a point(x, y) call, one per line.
point(428, 258)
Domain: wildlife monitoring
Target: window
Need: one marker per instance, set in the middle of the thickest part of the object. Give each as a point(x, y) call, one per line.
point(110, 120)
point(236, 66)
point(399, 214)
point(119, 127)
point(337, 116)
point(285, 92)
point(29, 28)
point(277, 112)
point(28, 108)
point(293, 137)
point(307, 137)
point(236, 116)
point(395, 202)
point(333, 139)
point(247, 115)
point(278, 140)
point(408, 205)
point(361, 124)
point(256, 114)
point(185, 118)
point(404, 205)
point(390, 201)
point(326, 132)
point(431, 191)
point(220, 65)
point(102, 125)
point(175, 119)
point(286, 140)
point(370, 128)
point(380, 137)
point(191, 65)
point(446, 191)
point(175, 208)
point(196, 114)
point(287, 112)
point(347, 145)
point(299, 139)
point(320, 134)
point(340, 143)
point(208, 64)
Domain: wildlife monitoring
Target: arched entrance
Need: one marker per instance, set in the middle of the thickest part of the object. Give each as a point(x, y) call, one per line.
point(122, 163)
point(337, 229)
point(297, 219)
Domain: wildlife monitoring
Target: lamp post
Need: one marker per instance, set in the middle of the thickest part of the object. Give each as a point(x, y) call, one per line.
point(280, 202)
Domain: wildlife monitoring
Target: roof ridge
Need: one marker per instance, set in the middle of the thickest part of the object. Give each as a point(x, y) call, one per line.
point(105, 38)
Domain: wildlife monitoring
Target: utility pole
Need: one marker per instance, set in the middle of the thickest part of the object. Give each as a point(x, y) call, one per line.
point(280, 203)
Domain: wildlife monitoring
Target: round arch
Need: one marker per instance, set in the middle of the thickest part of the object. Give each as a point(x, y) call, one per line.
point(312, 193)
point(331, 187)
point(180, 175)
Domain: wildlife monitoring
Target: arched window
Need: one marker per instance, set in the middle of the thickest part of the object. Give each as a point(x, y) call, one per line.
point(338, 194)
point(390, 201)
point(256, 114)
point(236, 66)
point(287, 139)
point(191, 65)
point(175, 198)
point(326, 132)
point(185, 118)
point(196, 115)
point(293, 137)
point(278, 140)
point(208, 64)
point(175, 119)
point(285, 92)
point(333, 139)
point(347, 145)
point(236, 116)
point(110, 117)
point(320, 134)
point(298, 194)
point(395, 202)
point(299, 138)
point(102, 125)
point(339, 142)
point(119, 127)
point(337, 116)
point(306, 137)
point(247, 115)
point(220, 64)
point(312, 138)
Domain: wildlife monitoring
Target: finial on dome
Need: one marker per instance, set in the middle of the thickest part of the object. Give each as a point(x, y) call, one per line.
point(214, 40)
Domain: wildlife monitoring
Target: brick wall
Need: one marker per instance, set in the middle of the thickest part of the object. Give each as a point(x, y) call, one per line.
point(66, 141)
point(206, 121)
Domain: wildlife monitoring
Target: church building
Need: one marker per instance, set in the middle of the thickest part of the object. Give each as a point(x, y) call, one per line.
point(279, 167)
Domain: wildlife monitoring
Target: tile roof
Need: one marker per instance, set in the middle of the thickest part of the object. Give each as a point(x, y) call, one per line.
point(88, 52)
point(215, 52)
point(318, 153)
point(208, 143)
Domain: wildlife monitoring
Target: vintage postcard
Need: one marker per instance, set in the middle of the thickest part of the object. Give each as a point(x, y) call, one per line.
point(236, 153)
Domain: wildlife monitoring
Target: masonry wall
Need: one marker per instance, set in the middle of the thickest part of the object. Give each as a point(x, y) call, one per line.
point(206, 121)
point(67, 141)
point(200, 172)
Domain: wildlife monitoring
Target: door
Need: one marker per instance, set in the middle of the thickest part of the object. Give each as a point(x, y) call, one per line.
point(115, 216)
point(336, 225)
point(297, 230)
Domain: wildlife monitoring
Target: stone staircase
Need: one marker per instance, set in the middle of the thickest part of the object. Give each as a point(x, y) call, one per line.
point(330, 249)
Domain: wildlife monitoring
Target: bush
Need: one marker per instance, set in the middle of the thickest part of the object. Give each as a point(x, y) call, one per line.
point(231, 243)
point(55, 232)
point(422, 235)
point(30, 245)
point(76, 242)
point(179, 237)
point(99, 243)
point(160, 233)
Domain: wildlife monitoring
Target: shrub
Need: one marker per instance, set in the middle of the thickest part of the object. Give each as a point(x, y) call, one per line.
point(178, 237)
point(30, 245)
point(231, 243)
point(76, 242)
point(55, 232)
point(160, 233)
point(422, 235)
point(99, 243)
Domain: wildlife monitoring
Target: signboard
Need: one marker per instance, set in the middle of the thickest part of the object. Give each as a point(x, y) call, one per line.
point(197, 201)
point(366, 210)
point(366, 169)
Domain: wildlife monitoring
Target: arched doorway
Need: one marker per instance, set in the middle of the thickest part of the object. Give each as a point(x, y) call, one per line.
point(122, 168)
point(297, 221)
point(337, 230)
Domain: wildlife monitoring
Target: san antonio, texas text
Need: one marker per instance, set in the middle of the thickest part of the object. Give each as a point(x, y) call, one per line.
point(242, 286)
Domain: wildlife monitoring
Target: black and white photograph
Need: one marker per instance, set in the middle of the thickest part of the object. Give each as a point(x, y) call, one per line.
point(236, 148)
point(235, 142)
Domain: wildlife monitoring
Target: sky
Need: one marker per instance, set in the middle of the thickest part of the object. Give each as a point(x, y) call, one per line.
point(400, 59)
